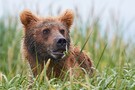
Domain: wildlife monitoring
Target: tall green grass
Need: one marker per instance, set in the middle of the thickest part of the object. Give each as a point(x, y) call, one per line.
point(113, 59)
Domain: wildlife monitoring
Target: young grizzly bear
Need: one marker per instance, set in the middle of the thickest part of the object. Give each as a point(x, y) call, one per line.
point(48, 38)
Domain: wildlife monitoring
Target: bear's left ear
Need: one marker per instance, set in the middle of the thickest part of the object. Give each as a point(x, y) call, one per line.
point(67, 18)
point(27, 17)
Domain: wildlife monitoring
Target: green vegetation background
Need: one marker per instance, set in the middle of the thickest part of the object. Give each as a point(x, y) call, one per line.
point(113, 57)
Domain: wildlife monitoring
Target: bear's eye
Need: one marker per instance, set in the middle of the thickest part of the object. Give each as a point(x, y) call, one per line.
point(62, 31)
point(46, 31)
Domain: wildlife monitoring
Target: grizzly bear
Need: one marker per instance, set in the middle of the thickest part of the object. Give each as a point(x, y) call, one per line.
point(48, 39)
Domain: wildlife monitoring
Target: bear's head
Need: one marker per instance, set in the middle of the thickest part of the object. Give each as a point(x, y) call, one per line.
point(47, 37)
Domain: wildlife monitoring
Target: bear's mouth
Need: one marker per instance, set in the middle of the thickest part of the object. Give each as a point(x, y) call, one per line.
point(58, 54)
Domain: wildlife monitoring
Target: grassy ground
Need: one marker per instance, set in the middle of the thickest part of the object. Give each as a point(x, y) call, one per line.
point(113, 59)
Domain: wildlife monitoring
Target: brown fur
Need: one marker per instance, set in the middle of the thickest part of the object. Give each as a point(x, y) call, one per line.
point(35, 44)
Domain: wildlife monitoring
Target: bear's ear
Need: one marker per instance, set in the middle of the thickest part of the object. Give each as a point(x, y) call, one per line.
point(67, 18)
point(27, 17)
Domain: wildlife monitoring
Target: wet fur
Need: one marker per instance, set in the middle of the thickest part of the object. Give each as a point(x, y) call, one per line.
point(34, 50)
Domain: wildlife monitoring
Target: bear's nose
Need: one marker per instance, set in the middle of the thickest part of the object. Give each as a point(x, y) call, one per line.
point(61, 42)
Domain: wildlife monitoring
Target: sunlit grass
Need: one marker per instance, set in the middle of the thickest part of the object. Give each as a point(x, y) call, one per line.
point(113, 59)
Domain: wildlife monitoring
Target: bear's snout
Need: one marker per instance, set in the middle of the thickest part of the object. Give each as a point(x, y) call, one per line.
point(61, 43)
point(60, 46)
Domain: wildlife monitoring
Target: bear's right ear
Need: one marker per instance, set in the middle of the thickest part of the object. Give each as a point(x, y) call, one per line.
point(27, 17)
point(67, 18)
